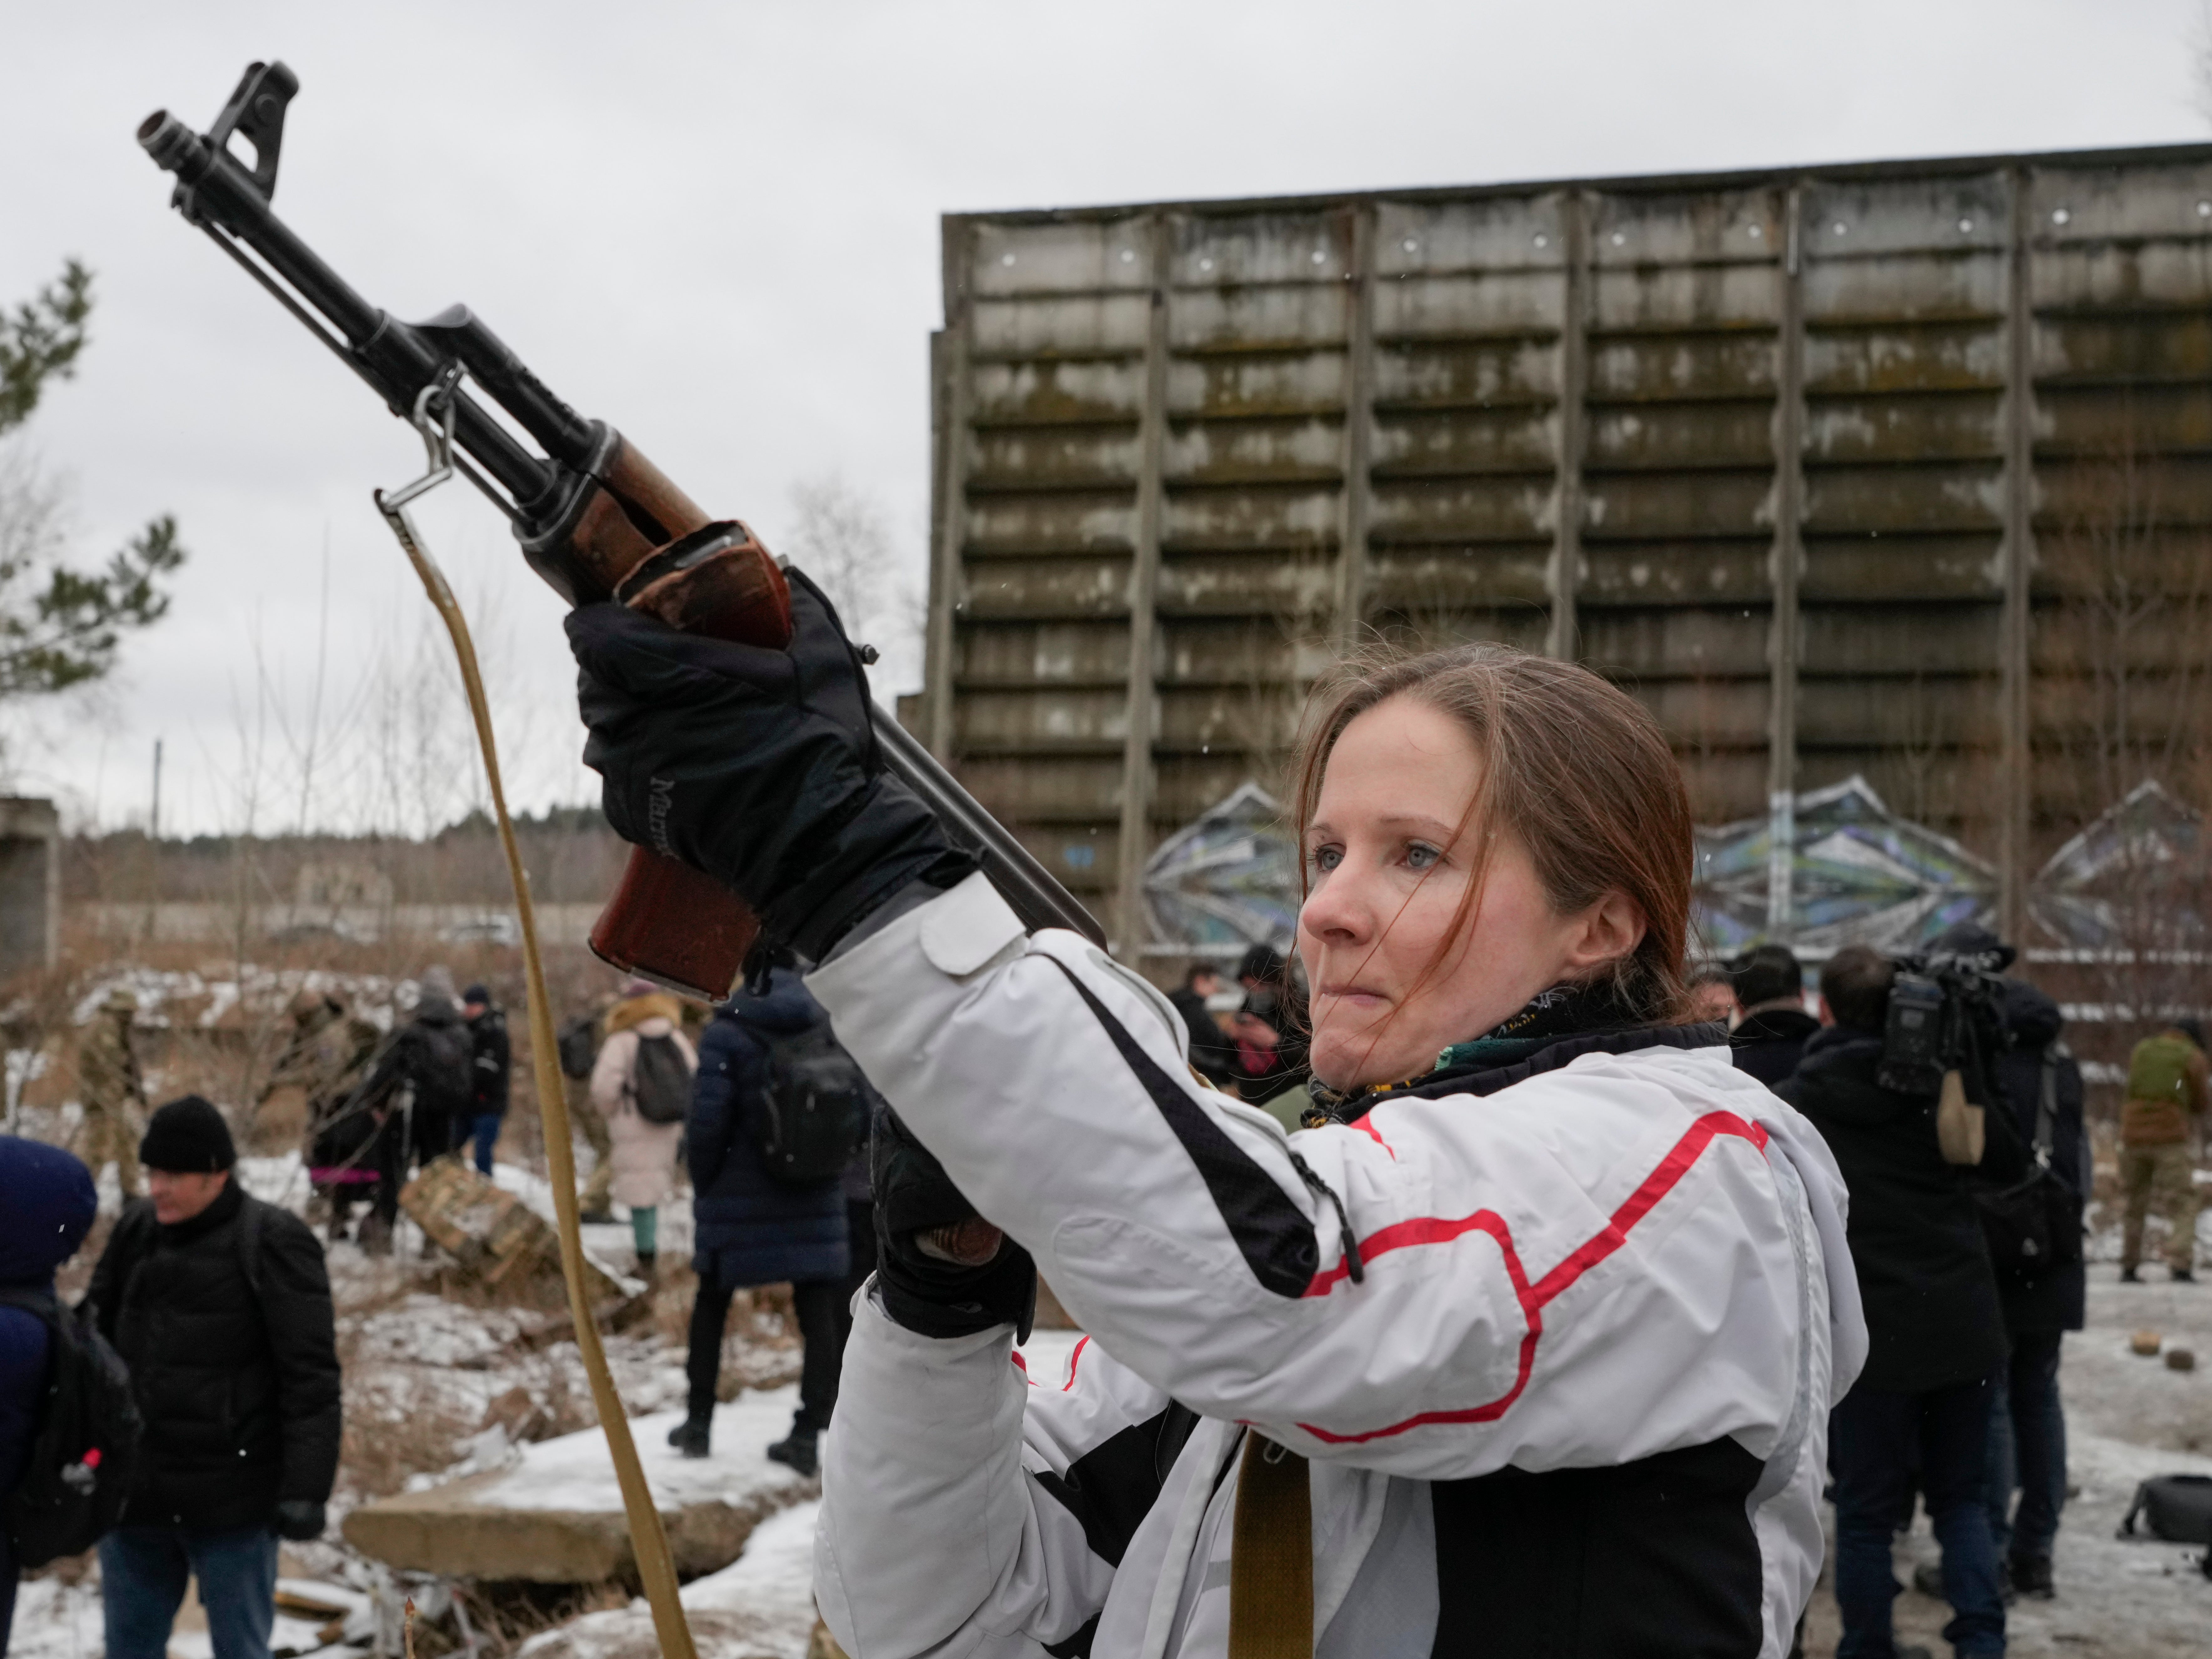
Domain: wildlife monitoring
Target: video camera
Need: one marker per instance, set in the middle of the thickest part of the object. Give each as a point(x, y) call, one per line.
point(1946, 1014)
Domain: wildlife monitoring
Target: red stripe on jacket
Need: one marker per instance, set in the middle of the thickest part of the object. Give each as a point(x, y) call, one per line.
point(1435, 1229)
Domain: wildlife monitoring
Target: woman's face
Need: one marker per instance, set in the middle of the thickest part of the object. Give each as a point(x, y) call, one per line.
point(1390, 866)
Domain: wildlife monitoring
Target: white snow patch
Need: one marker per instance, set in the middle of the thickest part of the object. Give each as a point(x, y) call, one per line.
point(759, 1607)
point(577, 1473)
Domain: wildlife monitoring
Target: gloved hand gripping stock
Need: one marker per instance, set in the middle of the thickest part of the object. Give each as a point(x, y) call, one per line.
point(760, 767)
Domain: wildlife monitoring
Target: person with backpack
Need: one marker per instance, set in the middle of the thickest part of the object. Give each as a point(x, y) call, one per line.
point(47, 1201)
point(1920, 1409)
point(2040, 1084)
point(421, 1093)
point(641, 1085)
point(770, 1205)
point(221, 1306)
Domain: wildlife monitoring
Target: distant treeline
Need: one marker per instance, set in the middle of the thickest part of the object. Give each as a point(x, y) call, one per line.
point(572, 855)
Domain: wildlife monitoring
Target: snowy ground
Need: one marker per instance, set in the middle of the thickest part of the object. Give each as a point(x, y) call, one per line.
point(760, 1607)
point(2128, 1418)
point(438, 1386)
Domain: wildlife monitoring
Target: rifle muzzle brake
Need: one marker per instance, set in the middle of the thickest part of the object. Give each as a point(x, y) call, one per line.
point(174, 146)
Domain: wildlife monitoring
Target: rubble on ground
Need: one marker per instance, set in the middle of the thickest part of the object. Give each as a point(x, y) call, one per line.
point(552, 1513)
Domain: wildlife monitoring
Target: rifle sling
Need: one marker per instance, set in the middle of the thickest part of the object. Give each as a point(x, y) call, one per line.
point(1271, 1592)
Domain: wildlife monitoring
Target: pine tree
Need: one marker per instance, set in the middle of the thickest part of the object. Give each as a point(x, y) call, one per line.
point(61, 626)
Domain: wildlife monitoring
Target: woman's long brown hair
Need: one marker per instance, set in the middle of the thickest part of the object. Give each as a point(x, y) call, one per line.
point(1572, 766)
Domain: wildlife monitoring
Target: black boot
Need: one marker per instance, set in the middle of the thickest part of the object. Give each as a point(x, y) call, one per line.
point(2030, 1576)
point(646, 1259)
point(799, 1450)
point(693, 1435)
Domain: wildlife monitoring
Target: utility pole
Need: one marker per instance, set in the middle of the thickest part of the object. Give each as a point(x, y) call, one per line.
point(153, 846)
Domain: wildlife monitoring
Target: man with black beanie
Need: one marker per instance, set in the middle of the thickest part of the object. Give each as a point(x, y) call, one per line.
point(221, 1306)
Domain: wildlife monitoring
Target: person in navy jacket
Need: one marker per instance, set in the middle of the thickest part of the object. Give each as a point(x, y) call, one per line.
point(46, 1205)
point(752, 1229)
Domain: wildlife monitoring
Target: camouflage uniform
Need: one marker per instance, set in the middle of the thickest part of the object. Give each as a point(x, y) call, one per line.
point(324, 1057)
point(113, 1096)
point(2166, 1091)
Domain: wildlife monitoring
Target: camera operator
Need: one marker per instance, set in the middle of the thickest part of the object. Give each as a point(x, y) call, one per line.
point(1935, 1333)
point(2041, 1302)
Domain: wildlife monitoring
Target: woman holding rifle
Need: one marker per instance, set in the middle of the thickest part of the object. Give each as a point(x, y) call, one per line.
point(1524, 1343)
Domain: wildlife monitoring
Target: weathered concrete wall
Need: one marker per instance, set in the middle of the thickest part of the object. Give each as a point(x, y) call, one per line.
point(1897, 470)
point(30, 883)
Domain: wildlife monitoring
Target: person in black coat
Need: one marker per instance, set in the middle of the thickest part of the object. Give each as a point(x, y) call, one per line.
point(750, 1228)
point(47, 1205)
point(1770, 1039)
point(219, 1305)
point(491, 1063)
point(2027, 1423)
point(1935, 1329)
point(428, 1066)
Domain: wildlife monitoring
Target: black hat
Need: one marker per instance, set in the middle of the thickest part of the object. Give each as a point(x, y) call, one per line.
point(1262, 962)
point(187, 1137)
point(1767, 973)
point(477, 993)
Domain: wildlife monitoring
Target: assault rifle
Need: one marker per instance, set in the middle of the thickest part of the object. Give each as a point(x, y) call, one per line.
point(595, 518)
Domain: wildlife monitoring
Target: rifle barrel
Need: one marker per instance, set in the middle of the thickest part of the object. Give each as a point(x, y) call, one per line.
point(394, 358)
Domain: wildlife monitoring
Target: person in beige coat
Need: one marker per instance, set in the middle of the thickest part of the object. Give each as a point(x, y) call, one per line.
point(644, 1148)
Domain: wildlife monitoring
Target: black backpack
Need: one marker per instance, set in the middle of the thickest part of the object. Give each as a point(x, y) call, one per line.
point(660, 1081)
point(87, 1449)
point(579, 1045)
point(2035, 1224)
point(445, 1076)
point(2174, 1507)
point(815, 1113)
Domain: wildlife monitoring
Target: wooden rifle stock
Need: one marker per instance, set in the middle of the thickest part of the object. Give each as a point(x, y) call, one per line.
point(667, 922)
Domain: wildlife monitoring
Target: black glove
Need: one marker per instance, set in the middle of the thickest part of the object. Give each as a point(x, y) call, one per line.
point(929, 1295)
point(758, 768)
point(299, 1519)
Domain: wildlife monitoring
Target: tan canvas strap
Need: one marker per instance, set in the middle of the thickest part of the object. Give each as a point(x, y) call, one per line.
point(1271, 1599)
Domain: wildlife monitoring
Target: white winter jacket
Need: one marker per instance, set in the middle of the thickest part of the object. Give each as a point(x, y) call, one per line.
point(1577, 1399)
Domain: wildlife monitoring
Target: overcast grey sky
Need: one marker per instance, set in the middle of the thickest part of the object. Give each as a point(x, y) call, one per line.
point(716, 225)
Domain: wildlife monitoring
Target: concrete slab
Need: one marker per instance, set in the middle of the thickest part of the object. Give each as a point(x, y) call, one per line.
point(762, 1608)
point(555, 1515)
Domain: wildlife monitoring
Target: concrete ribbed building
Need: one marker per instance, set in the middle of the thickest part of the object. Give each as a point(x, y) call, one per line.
point(1897, 470)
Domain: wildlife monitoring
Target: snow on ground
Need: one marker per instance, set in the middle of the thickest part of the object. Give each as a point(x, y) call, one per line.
point(759, 1607)
point(58, 1620)
point(2128, 1418)
point(576, 1471)
point(437, 1387)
